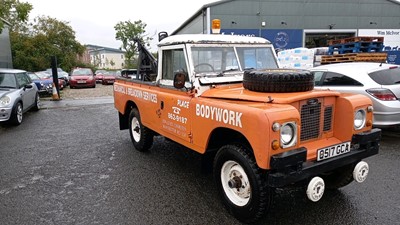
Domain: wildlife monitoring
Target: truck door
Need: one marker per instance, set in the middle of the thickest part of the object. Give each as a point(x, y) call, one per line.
point(174, 103)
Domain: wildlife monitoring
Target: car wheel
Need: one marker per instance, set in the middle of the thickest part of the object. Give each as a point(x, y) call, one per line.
point(339, 178)
point(16, 114)
point(36, 105)
point(278, 80)
point(241, 184)
point(141, 136)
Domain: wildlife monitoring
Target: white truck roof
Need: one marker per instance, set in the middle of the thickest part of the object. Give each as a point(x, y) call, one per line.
point(211, 38)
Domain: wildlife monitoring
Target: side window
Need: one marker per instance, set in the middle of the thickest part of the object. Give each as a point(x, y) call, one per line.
point(173, 62)
point(318, 77)
point(337, 79)
point(22, 79)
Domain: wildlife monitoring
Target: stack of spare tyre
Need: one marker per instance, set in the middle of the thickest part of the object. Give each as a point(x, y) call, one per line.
point(278, 80)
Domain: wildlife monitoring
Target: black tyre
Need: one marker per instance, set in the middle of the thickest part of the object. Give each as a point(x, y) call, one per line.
point(17, 114)
point(141, 136)
point(339, 178)
point(36, 105)
point(278, 80)
point(241, 184)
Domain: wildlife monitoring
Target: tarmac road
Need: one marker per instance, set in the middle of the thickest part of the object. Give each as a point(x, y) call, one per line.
point(70, 164)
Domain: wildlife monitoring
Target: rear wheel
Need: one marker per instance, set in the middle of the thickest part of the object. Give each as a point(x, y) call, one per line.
point(241, 183)
point(36, 106)
point(16, 115)
point(141, 136)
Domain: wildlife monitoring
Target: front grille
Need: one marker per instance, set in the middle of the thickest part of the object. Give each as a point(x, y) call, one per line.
point(310, 121)
point(328, 118)
point(312, 117)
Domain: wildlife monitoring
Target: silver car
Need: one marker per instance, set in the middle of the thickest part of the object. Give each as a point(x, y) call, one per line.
point(18, 94)
point(378, 81)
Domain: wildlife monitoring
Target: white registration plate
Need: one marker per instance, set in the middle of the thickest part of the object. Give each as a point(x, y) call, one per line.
point(332, 151)
point(82, 81)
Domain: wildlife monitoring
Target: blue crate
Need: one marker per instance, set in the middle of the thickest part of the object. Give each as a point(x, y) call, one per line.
point(355, 47)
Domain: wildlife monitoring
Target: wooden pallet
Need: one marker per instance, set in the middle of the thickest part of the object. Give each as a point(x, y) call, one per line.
point(355, 39)
point(355, 47)
point(354, 57)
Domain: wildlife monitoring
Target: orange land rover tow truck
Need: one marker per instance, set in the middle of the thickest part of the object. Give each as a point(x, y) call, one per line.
point(261, 127)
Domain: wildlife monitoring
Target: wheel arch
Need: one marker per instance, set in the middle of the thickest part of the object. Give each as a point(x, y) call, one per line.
point(219, 137)
point(20, 101)
point(222, 136)
point(124, 117)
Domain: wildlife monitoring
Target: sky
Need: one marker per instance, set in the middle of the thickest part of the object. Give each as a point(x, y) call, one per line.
point(93, 21)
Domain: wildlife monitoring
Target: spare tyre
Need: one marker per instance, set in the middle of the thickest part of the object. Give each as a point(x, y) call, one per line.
point(278, 80)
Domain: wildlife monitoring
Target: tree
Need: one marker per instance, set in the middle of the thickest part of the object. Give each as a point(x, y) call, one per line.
point(128, 32)
point(33, 47)
point(14, 12)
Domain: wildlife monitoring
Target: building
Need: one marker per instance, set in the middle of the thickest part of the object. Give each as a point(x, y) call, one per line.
point(105, 58)
point(5, 47)
point(299, 23)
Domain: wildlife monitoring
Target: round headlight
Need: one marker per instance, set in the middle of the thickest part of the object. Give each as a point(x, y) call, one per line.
point(288, 133)
point(359, 119)
point(5, 100)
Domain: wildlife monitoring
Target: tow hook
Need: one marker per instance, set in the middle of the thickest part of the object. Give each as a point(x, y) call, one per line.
point(360, 172)
point(315, 189)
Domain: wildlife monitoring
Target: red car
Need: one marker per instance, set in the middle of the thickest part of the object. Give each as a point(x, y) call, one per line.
point(108, 77)
point(82, 77)
point(99, 75)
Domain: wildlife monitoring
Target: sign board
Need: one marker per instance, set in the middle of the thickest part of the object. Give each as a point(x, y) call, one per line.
point(282, 39)
point(391, 39)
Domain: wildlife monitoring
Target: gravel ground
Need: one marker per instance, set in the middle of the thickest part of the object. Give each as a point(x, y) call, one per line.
point(82, 93)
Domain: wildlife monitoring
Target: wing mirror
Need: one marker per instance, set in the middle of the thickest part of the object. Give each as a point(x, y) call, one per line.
point(179, 80)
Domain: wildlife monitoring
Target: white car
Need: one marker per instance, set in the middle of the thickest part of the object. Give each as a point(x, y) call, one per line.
point(18, 94)
point(378, 81)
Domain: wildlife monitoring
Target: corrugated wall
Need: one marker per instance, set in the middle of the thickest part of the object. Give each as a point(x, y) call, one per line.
point(310, 14)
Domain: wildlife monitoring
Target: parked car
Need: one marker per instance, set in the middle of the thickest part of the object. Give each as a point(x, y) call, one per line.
point(61, 75)
point(99, 75)
point(46, 76)
point(378, 81)
point(129, 73)
point(82, 77)
point(108, 77)
point(45, 86)
point(18, 94)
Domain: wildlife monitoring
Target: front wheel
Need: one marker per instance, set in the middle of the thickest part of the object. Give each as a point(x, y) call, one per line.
point(241, 184)
point(16, 115)
point(141, 136)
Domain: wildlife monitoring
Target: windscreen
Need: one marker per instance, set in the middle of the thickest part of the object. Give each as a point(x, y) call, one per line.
point(222, 59)
point(7, 80)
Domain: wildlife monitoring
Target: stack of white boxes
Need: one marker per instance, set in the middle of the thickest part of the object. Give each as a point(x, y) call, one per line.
point(297, 58)
point(318, 53)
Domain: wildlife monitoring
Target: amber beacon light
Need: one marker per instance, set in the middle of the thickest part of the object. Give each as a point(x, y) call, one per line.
point(216, 26)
